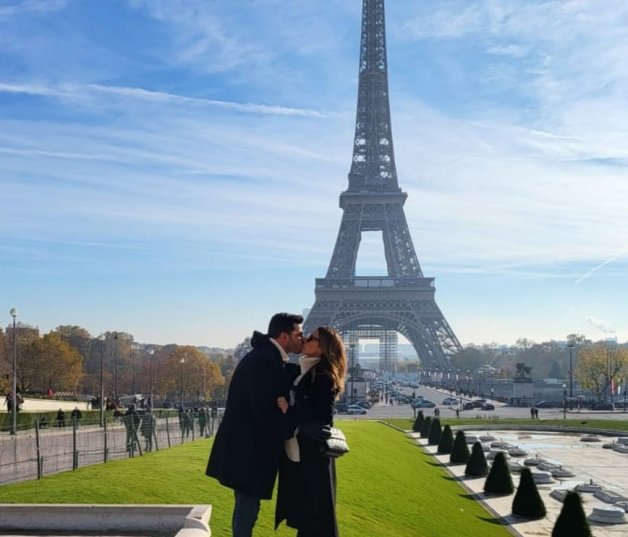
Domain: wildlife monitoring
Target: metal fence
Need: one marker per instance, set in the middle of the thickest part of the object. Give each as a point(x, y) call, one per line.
point(41, 451)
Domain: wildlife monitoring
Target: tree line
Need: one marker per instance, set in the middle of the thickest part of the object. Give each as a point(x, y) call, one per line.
point(70, 361)
point(596, 364)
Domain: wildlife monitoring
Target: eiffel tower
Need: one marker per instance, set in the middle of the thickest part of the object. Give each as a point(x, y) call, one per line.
point(403, 301)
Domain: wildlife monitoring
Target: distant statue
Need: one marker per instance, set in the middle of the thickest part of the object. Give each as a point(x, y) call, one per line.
point(522, 374)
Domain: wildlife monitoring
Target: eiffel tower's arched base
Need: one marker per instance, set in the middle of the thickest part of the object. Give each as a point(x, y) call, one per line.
point(412, 313)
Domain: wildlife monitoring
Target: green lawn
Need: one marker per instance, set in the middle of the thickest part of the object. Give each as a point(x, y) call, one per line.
point(387, 486)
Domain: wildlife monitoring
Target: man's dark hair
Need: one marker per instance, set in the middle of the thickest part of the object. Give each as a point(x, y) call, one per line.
point(283, 322)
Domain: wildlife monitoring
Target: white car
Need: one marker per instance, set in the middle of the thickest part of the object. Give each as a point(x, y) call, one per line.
point(356, 409)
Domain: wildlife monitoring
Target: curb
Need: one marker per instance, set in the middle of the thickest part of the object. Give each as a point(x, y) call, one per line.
point(180, 520)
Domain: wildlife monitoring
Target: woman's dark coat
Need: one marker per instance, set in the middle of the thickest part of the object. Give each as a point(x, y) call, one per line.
point(248, 445)
point(306, 498)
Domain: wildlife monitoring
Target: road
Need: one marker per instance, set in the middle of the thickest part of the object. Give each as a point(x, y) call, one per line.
point(382, 411)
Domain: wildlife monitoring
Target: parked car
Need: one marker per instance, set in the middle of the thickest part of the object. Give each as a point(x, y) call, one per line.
point(341, 407)
point(450, 401)
point(424, 404)
point(544, 404)
point(488, 406)
point(477, 403)
point(356, 409)
point(364, 404)
point(602, 406)
point(467, 406)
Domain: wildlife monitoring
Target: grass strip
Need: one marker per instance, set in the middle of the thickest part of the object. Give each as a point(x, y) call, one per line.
point(619, 426)
point(387, 485)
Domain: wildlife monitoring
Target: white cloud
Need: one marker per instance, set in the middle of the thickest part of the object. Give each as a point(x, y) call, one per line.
point(81, 93)
point(218, 145)
point(516, 51)
point(28, 7)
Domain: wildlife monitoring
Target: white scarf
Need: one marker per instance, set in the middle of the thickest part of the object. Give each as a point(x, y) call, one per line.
point(292, 445)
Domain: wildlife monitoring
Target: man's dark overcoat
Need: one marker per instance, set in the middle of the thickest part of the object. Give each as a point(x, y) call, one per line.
point(248, 445)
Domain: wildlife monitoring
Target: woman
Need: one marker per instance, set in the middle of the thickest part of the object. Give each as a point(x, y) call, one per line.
point(306, 499)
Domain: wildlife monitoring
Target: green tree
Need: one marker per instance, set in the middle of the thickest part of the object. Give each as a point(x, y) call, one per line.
point(460, 450)
point(527, 502)
point(50, 362)
point(435, 432)
point(187, 373)
point(5, 367)
point(499, 480)
point(418, 422)
point(76, 336)
point(572, 521)
point(227, 366)
point(476, 465)
point(472, 357)
point(427, 427)
point(446, 441)
point(595, 362)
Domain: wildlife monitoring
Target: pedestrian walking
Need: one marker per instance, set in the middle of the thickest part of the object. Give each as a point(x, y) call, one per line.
point(147, 427)
point(61, 418)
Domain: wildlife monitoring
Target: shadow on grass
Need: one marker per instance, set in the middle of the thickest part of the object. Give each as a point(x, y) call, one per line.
point(475, 496)
point(455, 478)
point(436, 463)
point(499, 521)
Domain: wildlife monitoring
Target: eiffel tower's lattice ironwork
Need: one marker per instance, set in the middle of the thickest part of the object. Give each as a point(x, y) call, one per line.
point(403, 301)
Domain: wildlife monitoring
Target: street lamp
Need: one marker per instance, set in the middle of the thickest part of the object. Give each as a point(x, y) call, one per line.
point(564, 401)
point(610, 372)
point(102, 382)
point(115, 369)
point(150, 377)
point(414, 401)
point(352, 350)
point(570, 345)
point(14, 314)
point(181, 361)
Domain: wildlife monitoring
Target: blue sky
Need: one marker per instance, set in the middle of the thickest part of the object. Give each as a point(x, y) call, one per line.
point(171, 168)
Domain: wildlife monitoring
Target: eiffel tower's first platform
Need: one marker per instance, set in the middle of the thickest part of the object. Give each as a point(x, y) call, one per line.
point(403, 301)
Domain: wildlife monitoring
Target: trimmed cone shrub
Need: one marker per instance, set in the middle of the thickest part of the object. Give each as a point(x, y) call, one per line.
point(460, 450)
point(418, 422)
point(499, 480)
point(476, 465)
point(446, 441)
point(527, 502)
point(427, 425)
point(572, 521)
point(435, 432)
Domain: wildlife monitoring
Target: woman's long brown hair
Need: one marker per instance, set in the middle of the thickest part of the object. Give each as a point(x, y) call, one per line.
point(333, 357)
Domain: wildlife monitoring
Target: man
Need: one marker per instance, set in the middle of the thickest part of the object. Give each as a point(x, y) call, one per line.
point(132, 421)
point(60, 418)
point(76, 415)
point(247, 449)
point(148, 427)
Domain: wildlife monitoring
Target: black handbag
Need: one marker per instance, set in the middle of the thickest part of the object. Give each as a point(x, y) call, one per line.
point(336, 445)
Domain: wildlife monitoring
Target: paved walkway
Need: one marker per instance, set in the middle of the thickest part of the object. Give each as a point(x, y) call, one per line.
point(48, 405)
point(587, 460)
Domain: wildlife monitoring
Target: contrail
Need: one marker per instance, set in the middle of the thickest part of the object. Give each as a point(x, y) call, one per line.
point(594, 270)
